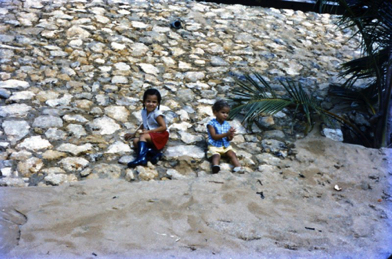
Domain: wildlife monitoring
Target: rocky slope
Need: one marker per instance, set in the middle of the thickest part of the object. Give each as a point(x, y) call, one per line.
point(73, 72)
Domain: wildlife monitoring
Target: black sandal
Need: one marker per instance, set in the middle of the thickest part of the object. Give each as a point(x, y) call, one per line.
point(215, 169)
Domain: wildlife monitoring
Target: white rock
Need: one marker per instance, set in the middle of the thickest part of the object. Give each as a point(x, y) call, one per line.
point(76, 130)
point(176, 175)
point(139, 49)
point(55, 134)
point(160, 29)
point(30, 166)
point(21, 155)
point(77, 43)
point(58, 53)
point(73, 164)
point(102, 100)
point(119, 113)
point(149, 69)
point(146, 174)
point(5, 94)
point(14, 84)
point(47, 121)
point(129, 175)
point(74, 149)
point(169, 62)
point(57, 179)
point(105, 69)
point(194, 76)
point(183, 115)
point(203, 111)
point(266, 158)
point(189, 138)
point(185, 150)
point(102, 19)
point(64, 101)
point(15, 110)
point(68, 71)
point(104, 126)
point(4, 144)
point(86, 172)
point(118, 147)
point(59, 14)
point(53, 170)
point(6, 171)
point(76, 32)
point(97, 47)
point(139, 25)
point(98, 10)
point(183, 126)
point(16, 130)
point(119, 80)
point(34, 143)
point(117, 46)
point(16, 182)
point(334, 134)
point(183, 66)
point(74, 118)
point(238, 126)
point(122, 66)
point(23, 95)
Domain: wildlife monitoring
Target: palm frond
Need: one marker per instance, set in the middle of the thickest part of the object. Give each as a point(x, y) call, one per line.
point(363, 68)
point(252, 89)
point(364, 99)
point(255, 108)
point(254, 98)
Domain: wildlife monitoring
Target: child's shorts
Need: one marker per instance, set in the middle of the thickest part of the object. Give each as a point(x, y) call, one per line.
point(218, 150)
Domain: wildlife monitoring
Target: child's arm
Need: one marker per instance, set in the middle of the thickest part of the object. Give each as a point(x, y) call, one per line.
point(128, 136)
point(214, 136)
point(162, 125)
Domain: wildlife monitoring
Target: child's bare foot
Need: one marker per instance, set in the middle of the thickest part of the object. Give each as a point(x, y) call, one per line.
point(215, 169)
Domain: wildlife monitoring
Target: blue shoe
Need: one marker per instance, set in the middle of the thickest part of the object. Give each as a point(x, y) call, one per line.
point(154, 155)
point(141, 159)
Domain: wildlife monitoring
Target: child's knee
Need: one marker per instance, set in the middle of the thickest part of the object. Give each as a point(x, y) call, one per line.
point(231, 154)
point(215, 156)
point(135, 141)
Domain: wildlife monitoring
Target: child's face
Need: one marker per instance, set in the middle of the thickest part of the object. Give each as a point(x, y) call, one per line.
point(222, 115)
point(151, 103)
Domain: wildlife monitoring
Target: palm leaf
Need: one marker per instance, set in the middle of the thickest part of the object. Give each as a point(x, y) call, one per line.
point(347, 96)
point(255, 108)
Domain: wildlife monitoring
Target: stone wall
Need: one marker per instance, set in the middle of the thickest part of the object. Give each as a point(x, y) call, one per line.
point(73, 73)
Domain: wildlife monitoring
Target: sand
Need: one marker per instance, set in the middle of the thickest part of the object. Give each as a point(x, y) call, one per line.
point(332, 200)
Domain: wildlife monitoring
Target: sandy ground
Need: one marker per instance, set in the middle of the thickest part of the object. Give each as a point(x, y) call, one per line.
point(288, 211)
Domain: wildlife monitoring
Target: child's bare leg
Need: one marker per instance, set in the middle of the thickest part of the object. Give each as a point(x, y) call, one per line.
point(233, 158)
point(145, 137)
point(215, 159)
point(135, 141)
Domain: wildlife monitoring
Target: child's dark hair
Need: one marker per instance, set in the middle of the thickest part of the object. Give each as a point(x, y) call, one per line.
point(219, 105)
point(152, 91)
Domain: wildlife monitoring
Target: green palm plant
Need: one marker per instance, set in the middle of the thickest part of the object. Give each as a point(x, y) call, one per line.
point(254, 97)
point(372, 21)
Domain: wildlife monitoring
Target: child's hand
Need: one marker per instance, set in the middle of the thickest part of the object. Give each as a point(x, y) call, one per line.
point(231, 133)
point(129, 136)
